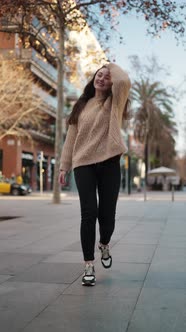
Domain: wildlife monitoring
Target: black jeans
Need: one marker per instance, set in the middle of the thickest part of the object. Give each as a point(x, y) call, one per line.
point(102, 178)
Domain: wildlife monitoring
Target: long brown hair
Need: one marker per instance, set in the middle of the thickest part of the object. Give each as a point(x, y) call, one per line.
point(88, 93)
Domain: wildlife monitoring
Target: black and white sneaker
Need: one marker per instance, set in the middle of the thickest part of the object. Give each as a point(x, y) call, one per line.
point(106, 258)
point(89, 278)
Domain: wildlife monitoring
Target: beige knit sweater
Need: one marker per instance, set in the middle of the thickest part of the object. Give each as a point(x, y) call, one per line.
point(97, 135)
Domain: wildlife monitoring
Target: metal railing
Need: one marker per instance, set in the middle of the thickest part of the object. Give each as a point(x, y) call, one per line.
point(46, 97)
point(44, 34)
point(31, 55)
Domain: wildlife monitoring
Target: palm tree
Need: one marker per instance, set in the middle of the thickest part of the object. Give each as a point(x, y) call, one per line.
point(163, 149)
point(153, 122)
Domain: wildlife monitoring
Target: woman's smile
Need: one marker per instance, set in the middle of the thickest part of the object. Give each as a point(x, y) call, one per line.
point(102, 81)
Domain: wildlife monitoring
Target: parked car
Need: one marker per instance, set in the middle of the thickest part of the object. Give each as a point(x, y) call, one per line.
point(12, 188)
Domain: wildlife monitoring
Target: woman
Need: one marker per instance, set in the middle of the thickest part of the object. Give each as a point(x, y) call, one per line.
point(92, 148)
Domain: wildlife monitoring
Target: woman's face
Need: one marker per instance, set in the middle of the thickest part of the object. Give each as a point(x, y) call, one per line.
point(102, 80)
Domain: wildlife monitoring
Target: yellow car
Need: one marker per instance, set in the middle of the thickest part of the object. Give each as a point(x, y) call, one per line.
point(6, 187)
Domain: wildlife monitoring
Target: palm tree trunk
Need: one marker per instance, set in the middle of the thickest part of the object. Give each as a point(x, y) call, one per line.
point(59, 118)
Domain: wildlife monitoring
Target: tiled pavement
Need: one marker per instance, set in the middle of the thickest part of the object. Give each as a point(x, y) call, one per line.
point(41, 268)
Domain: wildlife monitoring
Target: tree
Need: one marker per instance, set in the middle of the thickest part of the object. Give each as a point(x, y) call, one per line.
point(154, 121)
point(19, 107)
point(154, 116)
point(57, 17)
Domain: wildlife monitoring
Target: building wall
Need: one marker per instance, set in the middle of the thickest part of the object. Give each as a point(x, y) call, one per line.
point(22, 157)
point(181, 168)
point(11, 163)
point(13, 149)
point(7, 41)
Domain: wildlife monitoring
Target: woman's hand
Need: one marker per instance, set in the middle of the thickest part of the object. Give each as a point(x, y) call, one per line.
point(62, 175)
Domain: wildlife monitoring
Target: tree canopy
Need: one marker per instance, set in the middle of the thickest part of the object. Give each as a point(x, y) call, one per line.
point(154, 118)
point(101, 16)
point(19, 106)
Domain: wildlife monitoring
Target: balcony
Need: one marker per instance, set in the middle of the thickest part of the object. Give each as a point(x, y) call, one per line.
point(49, 103)
point(46, 72)
point(48, 137)
point(39, 66)
point(10, 26)
point(44, 35)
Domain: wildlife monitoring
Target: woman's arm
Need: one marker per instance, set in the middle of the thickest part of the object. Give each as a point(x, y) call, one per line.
point(120, 88)
point(66, 156)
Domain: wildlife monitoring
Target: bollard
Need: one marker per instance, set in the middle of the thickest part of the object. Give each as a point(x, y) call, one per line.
point(172, 193)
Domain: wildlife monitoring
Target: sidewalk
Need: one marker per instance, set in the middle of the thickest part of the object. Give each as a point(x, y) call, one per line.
point(41, 267)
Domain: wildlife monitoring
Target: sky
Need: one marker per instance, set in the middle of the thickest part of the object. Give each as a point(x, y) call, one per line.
point(167, 52)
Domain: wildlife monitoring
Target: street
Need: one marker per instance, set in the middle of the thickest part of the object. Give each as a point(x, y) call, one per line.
point(41, 267)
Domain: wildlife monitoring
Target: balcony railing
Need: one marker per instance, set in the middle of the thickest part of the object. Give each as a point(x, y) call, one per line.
point(48, 100)
point(5, 23)
point(46, 67)
point(39, 65)
point(41, 68)
point(49, 137)
point(44, 34)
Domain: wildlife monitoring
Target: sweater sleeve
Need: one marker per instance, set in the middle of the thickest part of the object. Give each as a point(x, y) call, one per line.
point(120, 88)
point(66, 156)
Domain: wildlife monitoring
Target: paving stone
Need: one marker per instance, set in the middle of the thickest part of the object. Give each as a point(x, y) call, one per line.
point(162, 298)
point(81, 314)
point(167, 276)
point(153, 219)
point(140, 238)
point(51, 273)
point(150, 228)
point(122, 272)
point(168, 269)
point(133, 253)
point(158, 321)
point(65, 257)
point(172, 240)
point(49, 245)
point(76, 246)
point(131, 220)
point(106, 286)
point(21, 241)
point(176, 228)
point(13, 263)
point(43, 249)
point(4, 278)
point(169, 255)
point(124, 228)
point(21, 302)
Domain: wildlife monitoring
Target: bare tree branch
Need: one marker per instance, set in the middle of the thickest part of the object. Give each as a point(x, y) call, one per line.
point(19, 107)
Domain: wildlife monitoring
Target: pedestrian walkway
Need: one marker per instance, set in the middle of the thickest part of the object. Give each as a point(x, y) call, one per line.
point(41, 267)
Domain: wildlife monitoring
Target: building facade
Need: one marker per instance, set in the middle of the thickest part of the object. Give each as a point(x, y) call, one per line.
point(20, 156)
